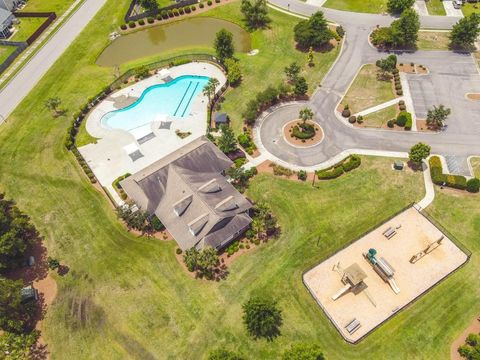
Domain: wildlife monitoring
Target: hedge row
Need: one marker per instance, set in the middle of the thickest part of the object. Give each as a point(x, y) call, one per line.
point(118, 187)
point(404, 119)
point(439, 178)
point(84, 166)
point(350, 163)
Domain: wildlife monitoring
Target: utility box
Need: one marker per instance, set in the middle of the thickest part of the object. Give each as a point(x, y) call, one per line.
point(398, 165)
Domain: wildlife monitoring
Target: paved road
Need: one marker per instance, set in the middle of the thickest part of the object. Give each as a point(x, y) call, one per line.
point(451, 76)
point(25, 80)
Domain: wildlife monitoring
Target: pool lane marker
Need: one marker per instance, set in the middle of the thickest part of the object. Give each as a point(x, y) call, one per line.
point(183, 97)
point(189, 100)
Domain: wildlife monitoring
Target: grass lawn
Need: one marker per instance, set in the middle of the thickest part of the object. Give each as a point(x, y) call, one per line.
point(435, 7)
point(57, 6)
point(276, 51)
point(380, 118)
point(475, 162)
point(5, 52)
point(367, 91)
point(433, 40)
point(470, 8)
point(366, 6)
point(26, 28)
point(127, 297)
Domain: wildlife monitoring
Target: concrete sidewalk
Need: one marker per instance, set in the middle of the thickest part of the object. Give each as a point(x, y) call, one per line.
point(450, 10)
point(420, 7)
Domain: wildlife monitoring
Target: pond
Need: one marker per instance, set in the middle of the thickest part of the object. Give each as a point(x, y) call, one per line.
point(193, 32)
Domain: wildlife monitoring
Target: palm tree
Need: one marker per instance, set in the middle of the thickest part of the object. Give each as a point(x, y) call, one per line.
point(210, 89)
point(306, 114)
point(437, 116)
point(53, 104)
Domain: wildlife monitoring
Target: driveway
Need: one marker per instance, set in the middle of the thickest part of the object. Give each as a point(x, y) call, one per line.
point(26, 79)
point(450, 10)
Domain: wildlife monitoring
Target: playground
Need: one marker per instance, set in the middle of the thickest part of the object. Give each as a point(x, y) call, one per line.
point(366, 283)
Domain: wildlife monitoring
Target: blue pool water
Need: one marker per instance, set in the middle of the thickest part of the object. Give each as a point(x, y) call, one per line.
point(173, 98)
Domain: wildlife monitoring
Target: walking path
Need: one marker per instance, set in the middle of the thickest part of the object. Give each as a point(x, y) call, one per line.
point(380, 106)
point(26, 79)
point(38, 42)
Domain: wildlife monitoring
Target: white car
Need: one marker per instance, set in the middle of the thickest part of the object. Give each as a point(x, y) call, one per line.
point(457, 4)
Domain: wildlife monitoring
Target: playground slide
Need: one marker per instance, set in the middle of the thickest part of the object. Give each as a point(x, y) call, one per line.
point(341, 292)
point(394, 285)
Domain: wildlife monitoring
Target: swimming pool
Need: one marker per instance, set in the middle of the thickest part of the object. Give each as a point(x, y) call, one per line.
point(173, 99)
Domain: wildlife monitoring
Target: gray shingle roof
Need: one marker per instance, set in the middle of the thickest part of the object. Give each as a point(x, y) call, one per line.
point(189, 194)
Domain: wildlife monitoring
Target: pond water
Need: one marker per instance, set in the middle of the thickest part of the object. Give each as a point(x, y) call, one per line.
point(193, 32)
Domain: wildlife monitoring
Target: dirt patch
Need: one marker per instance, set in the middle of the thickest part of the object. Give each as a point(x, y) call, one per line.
point(38, 276)
point(412, 68)
point(474, 97)
point(292, 140)
point(420, 69)
point(473, 328)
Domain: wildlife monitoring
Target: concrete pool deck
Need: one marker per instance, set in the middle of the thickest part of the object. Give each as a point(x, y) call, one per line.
point(110, 157)
point(414, 235)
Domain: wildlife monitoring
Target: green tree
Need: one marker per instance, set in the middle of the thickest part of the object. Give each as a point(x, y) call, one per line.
point(313, 32)
point(306, 114)
point(310, 57)
point(53, 105)
point(16, 234)
point(134, 219)
point(207, 262)
point(234, 74)
point(222, 354)
point(191, 259)
point(227, 141)
point(224, 45)
point(300, 86)
point(465, 32)
point(149, 5)
point(210, 89)
point(255, 12)
point(18, 345)
point(292, 71)
point(262, 317)
point(399, 6)
point(14, 315)
point(387, 65)
point(404, 31)
point(437, 116)
point(419, 152)
point(303, 352)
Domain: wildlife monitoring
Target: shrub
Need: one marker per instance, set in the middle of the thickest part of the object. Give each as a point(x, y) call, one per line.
point(351, 163)
point(302, 175)
point(201, 5)
point(170, 13)
point(193, 8)
point(132, 24)
point(303, 131)
point(181, 11)
point(398, 87)
point(409, 123)
point(164, 14)
point(331, 173)
point(178, 251)
point(439, 178)
point(395, 72)
point(123, 26)
point(240, 162)
point(159, 17)
point(391, 123)
point(473, 185)
point(279, 170)
point(402, 107)
point(188, 10)
point(150, 20)
point(141, 22)
point(399, 92)
point(217, 1)
point(346, 112)
point(457, 182)
point(340, 31)
point(352, 119)
point(175, 12)
point(401, 102)
point(360, 119)
point(209, 2)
